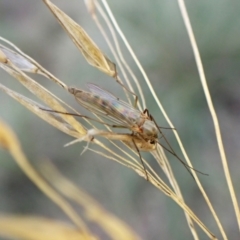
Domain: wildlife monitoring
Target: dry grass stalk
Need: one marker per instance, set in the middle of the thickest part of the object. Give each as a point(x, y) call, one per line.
point(16, 63)
point(50, 100)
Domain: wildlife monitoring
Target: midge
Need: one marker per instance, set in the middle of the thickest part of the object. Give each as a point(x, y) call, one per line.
point(103, 103)
point(144, 129)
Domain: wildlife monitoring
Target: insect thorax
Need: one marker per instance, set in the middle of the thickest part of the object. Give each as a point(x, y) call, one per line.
point(149, 130)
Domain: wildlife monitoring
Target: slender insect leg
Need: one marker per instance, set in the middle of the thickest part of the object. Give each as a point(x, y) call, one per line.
point(173, 152)
point(146, 111)
point(122, 85)
point(84, 116)
point(139, 154)
point(128, 90)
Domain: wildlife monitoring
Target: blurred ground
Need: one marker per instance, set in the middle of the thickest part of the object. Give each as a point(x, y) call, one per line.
point(157, 34)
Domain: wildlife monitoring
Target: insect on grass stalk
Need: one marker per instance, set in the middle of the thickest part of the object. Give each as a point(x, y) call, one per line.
point(144, 136)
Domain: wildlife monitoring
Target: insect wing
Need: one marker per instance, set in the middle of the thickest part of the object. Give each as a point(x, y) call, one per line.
point(104, 93)
point(100, 92)
point(115, 107)
point(89, 102)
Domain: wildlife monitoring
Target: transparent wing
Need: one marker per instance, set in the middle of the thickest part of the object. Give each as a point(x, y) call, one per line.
point(115, 107)
point(100, 92)
point(105, 104)
point(95, 108)
point(104, 93)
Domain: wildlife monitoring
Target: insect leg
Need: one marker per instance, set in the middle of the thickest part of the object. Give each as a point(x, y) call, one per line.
point(83, 116)
point(173, 152)
point(128, 90)
point(139, 154)
point(146, 111)
point(122, 85)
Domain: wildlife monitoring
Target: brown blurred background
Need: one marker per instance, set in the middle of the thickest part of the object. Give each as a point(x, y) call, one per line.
point(156, 32)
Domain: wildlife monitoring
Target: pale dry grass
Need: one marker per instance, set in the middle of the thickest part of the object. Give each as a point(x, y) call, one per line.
point(18, 64)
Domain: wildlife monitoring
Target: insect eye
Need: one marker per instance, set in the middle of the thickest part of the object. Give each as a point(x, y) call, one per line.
point(152, 142)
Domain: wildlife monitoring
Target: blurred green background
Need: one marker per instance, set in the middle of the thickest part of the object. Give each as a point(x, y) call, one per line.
point(156, 32)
